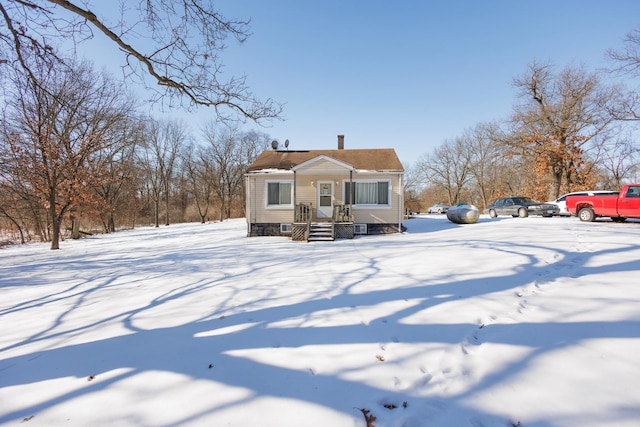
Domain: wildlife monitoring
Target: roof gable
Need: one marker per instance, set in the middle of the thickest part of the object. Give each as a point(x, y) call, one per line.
point(323, 159)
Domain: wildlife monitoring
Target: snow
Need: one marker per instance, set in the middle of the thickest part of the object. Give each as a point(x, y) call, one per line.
point(530, 322)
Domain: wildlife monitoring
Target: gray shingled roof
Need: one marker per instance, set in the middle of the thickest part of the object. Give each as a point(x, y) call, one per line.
point(379, 159)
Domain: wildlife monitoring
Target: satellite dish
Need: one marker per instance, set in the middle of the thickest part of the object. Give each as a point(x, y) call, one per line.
point(286, 143)
point(274, 144)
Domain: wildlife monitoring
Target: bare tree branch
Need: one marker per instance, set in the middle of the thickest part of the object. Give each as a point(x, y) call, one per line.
point(628, 58)
point(176, 43)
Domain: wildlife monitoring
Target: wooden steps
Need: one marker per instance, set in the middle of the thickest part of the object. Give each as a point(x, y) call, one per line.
point(321, 231)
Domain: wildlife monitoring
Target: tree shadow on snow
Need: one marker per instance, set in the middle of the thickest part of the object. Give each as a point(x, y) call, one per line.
point(220, 346)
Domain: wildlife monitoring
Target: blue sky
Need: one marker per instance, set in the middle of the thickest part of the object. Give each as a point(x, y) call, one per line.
point(407, 74)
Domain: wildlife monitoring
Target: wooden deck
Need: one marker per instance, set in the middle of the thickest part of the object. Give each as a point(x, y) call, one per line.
point(307, 227)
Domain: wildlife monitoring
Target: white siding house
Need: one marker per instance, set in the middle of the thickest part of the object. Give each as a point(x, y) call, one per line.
point(358, 191)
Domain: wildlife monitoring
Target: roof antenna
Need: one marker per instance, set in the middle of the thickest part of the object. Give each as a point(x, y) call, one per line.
point(274, 144)
point(286, 144)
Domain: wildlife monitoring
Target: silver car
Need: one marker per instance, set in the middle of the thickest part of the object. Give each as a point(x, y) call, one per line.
point(438, 208)
point(520, 206)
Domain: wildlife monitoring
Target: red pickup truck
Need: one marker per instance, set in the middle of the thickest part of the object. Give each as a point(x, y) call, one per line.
point(618, 206)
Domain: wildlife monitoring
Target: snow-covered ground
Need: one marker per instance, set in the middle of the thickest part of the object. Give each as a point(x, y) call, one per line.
point(506, 322)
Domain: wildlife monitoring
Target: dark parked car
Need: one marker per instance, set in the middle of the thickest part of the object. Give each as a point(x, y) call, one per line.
point(438, 208)
point(520, 206)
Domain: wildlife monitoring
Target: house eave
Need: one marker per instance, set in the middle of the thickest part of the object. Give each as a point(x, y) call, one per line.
point(269, 172)
point(392, 171)
point(336, 171)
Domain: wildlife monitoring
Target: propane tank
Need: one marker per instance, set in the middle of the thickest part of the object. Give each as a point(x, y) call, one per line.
point(463, 214)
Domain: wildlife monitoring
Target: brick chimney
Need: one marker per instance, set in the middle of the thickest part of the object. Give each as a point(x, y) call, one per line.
point(340, 142)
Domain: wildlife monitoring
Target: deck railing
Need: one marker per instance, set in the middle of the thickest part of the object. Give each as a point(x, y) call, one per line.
point(342, 213)
point(341, 222)
point(302, 213)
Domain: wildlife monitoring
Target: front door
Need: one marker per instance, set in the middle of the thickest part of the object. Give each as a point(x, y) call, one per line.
point(325, 199)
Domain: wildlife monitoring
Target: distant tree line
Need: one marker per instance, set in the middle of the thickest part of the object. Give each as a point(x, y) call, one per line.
point(77, 157)
point(76, 154)
point(571, 129)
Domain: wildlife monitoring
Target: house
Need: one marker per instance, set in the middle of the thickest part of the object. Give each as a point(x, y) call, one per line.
point(324, 194)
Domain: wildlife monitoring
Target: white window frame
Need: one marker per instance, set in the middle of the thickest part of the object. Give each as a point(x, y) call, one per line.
point(369, 206)
point(266, 193)
point(359, 228)
point(286, 228)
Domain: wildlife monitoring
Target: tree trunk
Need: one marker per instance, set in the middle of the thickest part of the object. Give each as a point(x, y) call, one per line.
point(156, 203)
point(55, 235)
point(17, 225)
point(75, 228)
point(55, 221)
point(166, 207)
point(111, 224)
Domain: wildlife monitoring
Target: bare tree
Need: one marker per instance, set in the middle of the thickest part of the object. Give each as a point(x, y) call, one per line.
point(413, 183)
point(147, 158)
point(180, 51)
point(627, 62)
point(251, 144)
point(18, 202)
point(222, 144)
point(620, 158)
point(118, 171)
point(158, 156)
point(11, 210)
point(627, 58)
point(562, 114)
point(447, 168)
point(201, 175)
point(216, 168)
point(54, 124)
point(489, 160)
